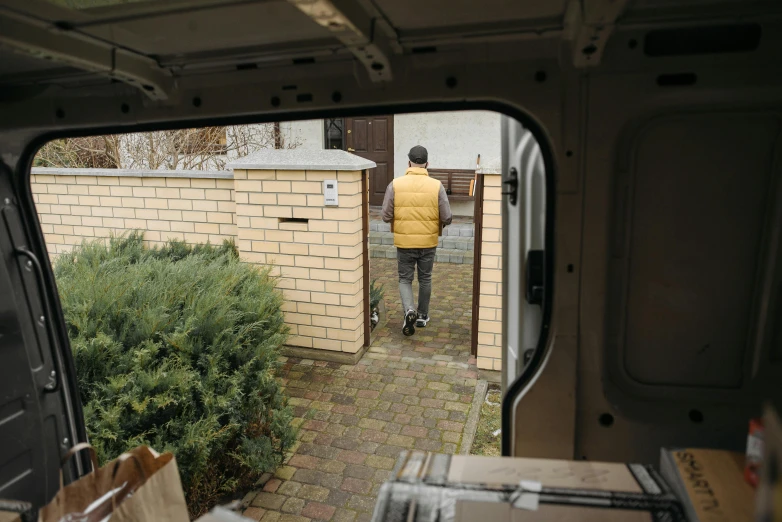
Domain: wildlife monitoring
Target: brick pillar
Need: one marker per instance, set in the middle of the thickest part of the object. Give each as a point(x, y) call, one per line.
point(490, 311)
point(316, 250)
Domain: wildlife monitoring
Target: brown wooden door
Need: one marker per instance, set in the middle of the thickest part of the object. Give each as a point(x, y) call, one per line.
point(373, 138)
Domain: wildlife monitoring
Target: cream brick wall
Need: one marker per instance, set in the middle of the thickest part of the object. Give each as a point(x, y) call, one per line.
point(317, 251)
point(490, 311)
point(276, 218)
point(84, 207)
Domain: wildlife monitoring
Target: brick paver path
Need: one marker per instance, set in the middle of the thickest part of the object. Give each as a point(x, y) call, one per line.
point(406, 392)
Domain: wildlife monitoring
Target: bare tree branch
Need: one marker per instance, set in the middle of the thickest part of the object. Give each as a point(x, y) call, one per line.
point(209, 148)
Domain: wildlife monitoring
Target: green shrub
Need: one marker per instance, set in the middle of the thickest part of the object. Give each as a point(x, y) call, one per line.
point(177, 348)
point(376, 294)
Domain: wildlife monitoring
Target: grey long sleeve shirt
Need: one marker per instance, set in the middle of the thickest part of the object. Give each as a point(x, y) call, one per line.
point(387, 212)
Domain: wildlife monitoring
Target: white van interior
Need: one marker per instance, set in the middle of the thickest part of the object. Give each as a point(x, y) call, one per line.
point(642, 172)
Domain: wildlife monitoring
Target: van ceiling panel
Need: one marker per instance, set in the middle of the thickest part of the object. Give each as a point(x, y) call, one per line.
point(236, 26)
point(414, 14)
point(698, 206)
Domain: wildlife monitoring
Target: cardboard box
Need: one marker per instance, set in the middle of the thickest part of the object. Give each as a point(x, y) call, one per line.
point(431, 487)
point(709, 483)
point(576, 475)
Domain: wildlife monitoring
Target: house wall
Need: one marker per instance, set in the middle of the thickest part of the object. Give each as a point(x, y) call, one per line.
point(307, 134)
point(453, 139)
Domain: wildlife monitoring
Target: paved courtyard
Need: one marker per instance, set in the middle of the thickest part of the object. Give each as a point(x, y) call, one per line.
point(406, 392)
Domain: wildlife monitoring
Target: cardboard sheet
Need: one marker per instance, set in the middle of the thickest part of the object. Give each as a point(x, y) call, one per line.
point(603, 476)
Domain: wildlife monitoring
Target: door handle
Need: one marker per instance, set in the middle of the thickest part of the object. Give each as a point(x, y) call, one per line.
point(350, 149)
point(534, 276)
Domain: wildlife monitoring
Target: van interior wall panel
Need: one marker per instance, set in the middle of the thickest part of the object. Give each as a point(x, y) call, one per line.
point(679, 201)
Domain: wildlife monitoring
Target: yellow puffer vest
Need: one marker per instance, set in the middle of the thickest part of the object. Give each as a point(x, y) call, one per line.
point(416, 210)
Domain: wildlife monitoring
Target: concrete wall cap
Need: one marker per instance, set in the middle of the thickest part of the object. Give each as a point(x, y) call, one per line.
point(302, 159)
point(63, 171)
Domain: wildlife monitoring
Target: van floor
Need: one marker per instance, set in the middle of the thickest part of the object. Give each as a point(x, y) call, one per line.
point(354, 420)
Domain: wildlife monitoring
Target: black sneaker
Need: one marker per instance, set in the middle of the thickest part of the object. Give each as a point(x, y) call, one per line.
point(422, 320)
point(409, 327)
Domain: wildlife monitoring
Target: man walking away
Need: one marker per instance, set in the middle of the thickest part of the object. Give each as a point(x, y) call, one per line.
point(417, 208)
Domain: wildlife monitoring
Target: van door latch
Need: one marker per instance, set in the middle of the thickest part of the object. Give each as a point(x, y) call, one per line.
point(513, 186)
point(534, 277)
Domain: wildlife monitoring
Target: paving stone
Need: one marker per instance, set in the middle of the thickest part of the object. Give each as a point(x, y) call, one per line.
point(450, 425)
point(415, 411)
point(452, 436)
point(311, 492)
point(433, 403)
point(372, 424)
point(368, 394)
point(373, 436)
point(362, 503)
point(457, 416)
point(344, 409)
point(308, 476)
point(331, 480)
point(428, 444)
point(285, 472)
point(377, 461)
point(352, 457)
point(270, 501)
point(333, 466)
point(368, 447)
point(304, 461)
point(354, 485)
point(318, 511)
point(315, 425)
point(411, 401)
point(289, 488)
point(289, 517)
point(324, 439)
point(335, 429)
point(359, 472)
point(401, 440)
point(343, 399)
point(293, 505)
point(344, 515)
point(254, 513)
point(447, 396)
point(434, 413)
point(381, 475)
point(398, 408)
point(308, 436)
point(414, 431)
point(324, 452)
point(346, 443)
point(338, 498)
point(457, 406)
point(272, 485)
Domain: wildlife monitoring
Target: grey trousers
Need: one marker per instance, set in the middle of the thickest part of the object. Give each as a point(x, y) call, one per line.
point(407, 260)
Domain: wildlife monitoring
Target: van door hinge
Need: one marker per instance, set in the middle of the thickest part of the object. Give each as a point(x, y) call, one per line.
point(513, 186)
